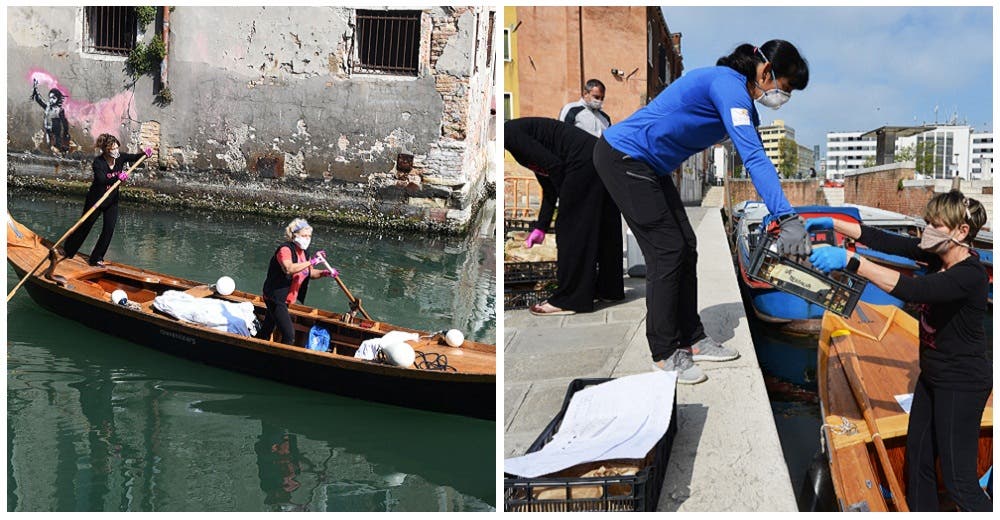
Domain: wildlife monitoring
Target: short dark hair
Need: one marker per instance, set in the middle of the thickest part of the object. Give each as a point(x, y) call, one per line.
point(786, 62)
point(591, 83)
point(58, 94)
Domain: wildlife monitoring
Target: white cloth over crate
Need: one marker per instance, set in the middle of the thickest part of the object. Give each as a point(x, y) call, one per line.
point(603, 422)
point(218, 314)
point(370, 347)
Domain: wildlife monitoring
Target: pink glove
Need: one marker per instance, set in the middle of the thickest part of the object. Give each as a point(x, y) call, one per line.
point(123, 176)
point(149, 151)
point(320, 256)
point(537, 236)
point(331, 272)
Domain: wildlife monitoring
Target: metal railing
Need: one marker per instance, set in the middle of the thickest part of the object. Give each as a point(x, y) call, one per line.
point(387, 42)
point(109, 30)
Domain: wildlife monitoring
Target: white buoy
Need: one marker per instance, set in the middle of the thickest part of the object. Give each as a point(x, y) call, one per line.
point(400, 354)
point(119, 297)
point(225, 286)
point(454, 338)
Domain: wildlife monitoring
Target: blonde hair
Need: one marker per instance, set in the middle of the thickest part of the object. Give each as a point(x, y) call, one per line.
point(953, 209)
point(105, 142)
point(295, 226)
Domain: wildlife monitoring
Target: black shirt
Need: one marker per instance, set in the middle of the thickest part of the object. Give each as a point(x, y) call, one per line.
point(953, 309)
point(552, 149)
point(105, 177)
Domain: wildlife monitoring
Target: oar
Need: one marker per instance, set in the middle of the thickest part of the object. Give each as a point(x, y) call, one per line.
point(841, 342)
point(72, 229)
point(354, 301)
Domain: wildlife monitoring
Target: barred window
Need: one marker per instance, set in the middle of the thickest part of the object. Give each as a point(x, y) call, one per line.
point(109, 30)
point(387, 42)
point(508, 106)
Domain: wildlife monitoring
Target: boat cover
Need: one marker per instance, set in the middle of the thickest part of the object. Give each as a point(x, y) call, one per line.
point(220, 315)
point(370, 347)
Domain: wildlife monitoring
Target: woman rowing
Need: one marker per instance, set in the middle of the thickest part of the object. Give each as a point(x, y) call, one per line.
point(956, 372)
point(288, 275)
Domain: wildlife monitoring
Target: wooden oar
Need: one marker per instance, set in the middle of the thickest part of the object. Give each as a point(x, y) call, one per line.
point(72, 229)
point(354, 301)
point(841, 342)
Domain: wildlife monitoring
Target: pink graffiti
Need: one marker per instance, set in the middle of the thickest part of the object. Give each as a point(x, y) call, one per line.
point(104, 116)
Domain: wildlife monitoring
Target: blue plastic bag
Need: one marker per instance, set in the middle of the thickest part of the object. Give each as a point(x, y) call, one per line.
point(319, 339)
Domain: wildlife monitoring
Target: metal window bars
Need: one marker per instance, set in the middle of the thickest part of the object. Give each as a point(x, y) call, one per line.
point(387, 42)
point(109, 30)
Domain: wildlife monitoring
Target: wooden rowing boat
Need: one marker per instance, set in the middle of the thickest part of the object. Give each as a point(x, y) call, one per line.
point(82, 293)
point(883, 340)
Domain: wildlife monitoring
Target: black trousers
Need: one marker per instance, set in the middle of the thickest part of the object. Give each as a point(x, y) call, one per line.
point(589, 234)
point(277, 314)
point(654, 211)
point(944, 423)
point(74, 241)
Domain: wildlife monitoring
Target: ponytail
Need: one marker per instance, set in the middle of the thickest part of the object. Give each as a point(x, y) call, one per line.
point(786, 62)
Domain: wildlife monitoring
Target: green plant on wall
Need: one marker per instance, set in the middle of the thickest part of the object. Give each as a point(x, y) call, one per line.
point(146, 58)
point(145, 15)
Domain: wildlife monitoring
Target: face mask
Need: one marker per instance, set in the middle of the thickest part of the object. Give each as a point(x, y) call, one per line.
point(594, 104)
point(775, 97)
point(937, 242)
point(115, 154)
point(303, 242)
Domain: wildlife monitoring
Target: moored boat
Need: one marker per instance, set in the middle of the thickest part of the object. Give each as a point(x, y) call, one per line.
point(462, 380)
point(865, 362)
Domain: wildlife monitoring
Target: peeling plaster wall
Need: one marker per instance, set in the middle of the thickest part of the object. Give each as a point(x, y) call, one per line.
point(253, 84)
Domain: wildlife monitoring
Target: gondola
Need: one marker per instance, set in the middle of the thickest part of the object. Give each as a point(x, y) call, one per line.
point(865, 362)
point(453, 380)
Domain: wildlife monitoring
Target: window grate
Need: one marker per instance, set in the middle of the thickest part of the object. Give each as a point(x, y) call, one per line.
point(387, 42)
point(109, 30)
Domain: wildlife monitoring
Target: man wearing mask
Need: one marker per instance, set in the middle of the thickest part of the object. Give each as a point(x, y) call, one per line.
point(586, 113)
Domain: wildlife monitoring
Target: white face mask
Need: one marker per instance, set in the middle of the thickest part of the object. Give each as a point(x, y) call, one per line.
point(303, 242)
point(594, 104)
point(115, 154)
point(775, 97)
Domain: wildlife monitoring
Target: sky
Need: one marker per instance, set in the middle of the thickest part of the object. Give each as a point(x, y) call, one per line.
point(868, 66)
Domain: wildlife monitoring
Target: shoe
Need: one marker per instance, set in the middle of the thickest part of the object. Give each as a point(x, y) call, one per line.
point(547, 309)
point(707, 349)
point(680, 361)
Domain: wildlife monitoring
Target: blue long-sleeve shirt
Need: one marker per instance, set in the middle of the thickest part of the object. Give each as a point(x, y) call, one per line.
point(693, 113)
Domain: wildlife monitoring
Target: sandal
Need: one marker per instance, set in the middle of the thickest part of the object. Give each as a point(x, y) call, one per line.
point(547, 309)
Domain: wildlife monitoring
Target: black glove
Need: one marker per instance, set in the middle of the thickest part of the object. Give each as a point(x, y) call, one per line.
point(793, 239)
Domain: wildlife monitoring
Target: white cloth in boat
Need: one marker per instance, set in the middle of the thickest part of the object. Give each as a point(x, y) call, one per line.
point(220, 315)
point(370, 347)
point(598, 427)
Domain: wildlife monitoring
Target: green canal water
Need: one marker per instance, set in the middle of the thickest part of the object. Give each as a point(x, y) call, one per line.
point(95, 423)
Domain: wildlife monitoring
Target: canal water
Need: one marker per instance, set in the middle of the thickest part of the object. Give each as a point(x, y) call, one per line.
point(95, 423)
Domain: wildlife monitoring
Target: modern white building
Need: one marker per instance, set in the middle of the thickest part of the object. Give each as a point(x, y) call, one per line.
point(847, 151)
point(952, 150)
point(982, 155)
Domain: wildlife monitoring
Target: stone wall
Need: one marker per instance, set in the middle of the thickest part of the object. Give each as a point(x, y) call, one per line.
point(268, 98)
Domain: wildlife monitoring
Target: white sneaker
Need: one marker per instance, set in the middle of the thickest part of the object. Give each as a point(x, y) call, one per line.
point(680, 361)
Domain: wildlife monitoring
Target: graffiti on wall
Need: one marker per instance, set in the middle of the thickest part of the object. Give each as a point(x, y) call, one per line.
point(62, 112)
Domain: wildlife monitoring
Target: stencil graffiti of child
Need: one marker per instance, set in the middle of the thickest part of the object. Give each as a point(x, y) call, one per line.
point(56, 126)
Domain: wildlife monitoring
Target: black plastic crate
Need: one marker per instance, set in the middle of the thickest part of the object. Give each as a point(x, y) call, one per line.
point(523, 272)
point(523, 296)
point(639, 492)
point(517, 224)
point(837, 292)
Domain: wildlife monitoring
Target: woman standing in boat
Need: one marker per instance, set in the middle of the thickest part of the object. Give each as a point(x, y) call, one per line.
point(636, 158)
point(288, 276)
point(109, 167)
point(956, 372)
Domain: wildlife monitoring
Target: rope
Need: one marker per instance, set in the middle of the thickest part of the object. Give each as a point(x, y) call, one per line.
point(846, 427)
point(439, 362)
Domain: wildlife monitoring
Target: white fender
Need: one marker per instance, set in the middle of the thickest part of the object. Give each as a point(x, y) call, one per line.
point(400, 354)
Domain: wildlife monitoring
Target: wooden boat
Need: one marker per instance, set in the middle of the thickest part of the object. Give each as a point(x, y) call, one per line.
point(879, 344)
point(82, 293)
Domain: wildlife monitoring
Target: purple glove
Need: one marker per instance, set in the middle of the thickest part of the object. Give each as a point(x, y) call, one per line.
point(331, 272)
point(537, 236)
point(123, 176)
point(828, 258)
point(320, 256)
point(149, 151)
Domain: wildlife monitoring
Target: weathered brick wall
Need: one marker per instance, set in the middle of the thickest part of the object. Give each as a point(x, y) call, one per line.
point(799, 192)
point(894, 188)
